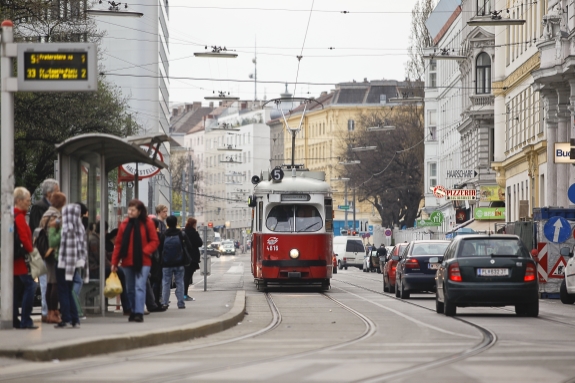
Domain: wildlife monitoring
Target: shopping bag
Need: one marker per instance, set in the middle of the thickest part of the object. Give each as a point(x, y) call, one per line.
point(36, 265)
point(113, 286)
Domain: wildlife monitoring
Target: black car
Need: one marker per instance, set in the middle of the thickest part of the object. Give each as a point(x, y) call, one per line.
point(211, 250)
point(414, 272)
point(487, 270)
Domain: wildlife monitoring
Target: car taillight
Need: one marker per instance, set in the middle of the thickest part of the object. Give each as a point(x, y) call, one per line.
point(412, 264)
point(454, 272)
point(344, 259)
point(393, 268)
point(529, 273)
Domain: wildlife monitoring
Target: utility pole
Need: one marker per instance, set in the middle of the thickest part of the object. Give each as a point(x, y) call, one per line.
point(183, 194)
point(345, 203)
point(353, 209)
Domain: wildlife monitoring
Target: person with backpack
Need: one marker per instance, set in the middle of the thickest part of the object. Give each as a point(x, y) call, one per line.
point(175, 248)
point(48, 244)
point(136, 241)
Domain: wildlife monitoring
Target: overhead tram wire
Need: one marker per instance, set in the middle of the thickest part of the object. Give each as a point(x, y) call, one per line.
point(301, 51)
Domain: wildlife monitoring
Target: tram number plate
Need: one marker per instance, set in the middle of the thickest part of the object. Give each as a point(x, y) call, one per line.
point(294, 274)
point(492, 272)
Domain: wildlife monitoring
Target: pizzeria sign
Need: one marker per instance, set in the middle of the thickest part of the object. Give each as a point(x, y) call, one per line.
point(455, 194)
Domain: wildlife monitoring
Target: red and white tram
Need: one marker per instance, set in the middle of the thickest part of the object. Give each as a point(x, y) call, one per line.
point(292, 229)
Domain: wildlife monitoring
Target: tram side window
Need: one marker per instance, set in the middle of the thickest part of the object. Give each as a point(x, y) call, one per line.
point(290, 218)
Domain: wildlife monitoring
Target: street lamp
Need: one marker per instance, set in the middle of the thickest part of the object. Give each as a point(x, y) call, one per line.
point(113, 10)
point(217, 52)
point(363, 148)
point(346, 180)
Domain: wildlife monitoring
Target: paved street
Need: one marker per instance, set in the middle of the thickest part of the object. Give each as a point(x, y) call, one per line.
point(354, 332)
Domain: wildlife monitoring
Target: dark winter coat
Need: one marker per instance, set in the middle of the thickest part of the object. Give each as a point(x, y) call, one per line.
point(37, 212)
point(196, 242)
point(187, 246)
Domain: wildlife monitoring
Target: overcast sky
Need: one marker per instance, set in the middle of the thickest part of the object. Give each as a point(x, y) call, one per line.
point(370, 42)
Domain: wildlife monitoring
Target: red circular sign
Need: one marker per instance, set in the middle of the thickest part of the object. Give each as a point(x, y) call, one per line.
point(144, 170)
point(439, 191)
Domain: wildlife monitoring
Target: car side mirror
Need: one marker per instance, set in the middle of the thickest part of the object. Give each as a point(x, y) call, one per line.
point(434, 260)
point(566, 252)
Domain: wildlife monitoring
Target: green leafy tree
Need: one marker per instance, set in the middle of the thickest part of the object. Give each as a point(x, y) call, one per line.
point(43, 120)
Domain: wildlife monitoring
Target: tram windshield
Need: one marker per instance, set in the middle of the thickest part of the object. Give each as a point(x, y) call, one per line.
point(294, 218)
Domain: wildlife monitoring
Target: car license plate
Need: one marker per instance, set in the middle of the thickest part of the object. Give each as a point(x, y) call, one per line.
point(433, 266)
point(492, 272)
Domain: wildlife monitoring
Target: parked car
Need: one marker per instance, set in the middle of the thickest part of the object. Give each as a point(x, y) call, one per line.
point(414, 272)
point(371, 261)
point(390, 265)
point(349, 250)
point(227, 248)
point(567, 289)
point(487, 270)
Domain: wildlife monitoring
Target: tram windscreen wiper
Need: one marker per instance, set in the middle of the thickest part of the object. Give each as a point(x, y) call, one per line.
point(309, 227)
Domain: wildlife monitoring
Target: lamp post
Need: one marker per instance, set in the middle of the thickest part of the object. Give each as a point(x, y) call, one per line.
point(346, 180)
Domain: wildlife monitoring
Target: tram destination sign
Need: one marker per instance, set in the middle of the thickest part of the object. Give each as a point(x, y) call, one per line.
point(57, 67)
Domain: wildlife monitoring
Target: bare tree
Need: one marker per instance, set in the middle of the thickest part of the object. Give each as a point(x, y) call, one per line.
point(390, 178)
point(419, 39)
point(178, 163)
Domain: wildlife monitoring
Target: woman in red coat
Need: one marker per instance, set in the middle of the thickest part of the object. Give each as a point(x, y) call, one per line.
point(135, 243)
point(24, 285)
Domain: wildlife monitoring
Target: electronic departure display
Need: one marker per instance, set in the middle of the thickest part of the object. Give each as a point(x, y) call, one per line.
point(57, 67)
point(50, 66)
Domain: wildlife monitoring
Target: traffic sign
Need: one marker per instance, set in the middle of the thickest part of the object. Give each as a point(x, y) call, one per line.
point(558, 269)
point(176, 213)
point(571, 192)
point(388, 232)
point(343, 207)
point(557, 230)
point(461, 173)
point(542, 262)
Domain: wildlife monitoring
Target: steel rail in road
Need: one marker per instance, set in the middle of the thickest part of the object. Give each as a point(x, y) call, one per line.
point(370, 329)
point(489, 338)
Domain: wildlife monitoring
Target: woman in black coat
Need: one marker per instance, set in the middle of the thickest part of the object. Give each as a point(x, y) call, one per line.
point(196, 242)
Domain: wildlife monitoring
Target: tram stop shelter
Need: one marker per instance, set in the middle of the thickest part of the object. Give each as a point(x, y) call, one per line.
point(84, 162)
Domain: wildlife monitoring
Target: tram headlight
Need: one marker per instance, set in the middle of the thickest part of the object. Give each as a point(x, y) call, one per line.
point(294, 253)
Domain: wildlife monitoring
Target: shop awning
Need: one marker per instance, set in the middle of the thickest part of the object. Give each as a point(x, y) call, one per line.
point(483, 226)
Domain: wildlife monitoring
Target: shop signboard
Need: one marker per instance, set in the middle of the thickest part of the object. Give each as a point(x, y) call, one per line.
point(491, 213)
point(490, 193)
point(435, 219)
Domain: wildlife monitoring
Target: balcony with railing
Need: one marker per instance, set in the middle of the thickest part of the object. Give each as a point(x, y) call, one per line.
point(481, 106)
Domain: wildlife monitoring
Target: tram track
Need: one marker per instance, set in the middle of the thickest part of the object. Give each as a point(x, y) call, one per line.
point(370, 329)
point(488, 340)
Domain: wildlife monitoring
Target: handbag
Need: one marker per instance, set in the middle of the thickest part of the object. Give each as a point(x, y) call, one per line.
point(113, 286)
point(36, 265)
point(187, 256)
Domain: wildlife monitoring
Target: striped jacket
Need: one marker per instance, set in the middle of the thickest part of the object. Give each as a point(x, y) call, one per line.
point(73, 247)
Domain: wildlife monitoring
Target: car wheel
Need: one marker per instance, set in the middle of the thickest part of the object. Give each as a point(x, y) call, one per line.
point(339, 265)
point(564, 295)
point(404, 294)
point(449, 308)
point(439, 306)
point(378, 271)
point(396, 289)
point(528, 309)
point(385, 288)
point(345, 267)
point(392, 288)
point(217, 255)
point(335, 270)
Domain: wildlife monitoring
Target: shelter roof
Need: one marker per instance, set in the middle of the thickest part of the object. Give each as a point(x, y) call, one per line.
point(117, 150)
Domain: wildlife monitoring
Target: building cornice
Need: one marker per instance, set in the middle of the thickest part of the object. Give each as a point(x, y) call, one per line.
point(501, 88)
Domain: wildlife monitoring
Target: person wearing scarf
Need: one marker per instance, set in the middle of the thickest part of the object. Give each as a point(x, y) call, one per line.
point(135, 243)
point(72, 255)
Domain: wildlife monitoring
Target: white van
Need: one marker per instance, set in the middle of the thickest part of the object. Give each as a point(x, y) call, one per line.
point(349, 250)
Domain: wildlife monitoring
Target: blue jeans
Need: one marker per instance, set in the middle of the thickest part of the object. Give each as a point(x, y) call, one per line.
point(178, 273)
point(65, 295)
point(43, 279)
point(26, 286)
point(136, 287)
point(76, 288)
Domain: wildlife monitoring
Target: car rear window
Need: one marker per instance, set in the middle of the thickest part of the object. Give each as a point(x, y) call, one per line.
point(354, 246)
point(492, 247)
point(430, 248)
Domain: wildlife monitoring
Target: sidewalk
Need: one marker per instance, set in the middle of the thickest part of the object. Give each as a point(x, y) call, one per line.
point(211, 312)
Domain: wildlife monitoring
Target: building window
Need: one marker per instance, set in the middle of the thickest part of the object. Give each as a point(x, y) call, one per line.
point(432, 74)
point(483, 7)
point(432, 174)
point(350, 125)
point(483, 71)
point(432, 124)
